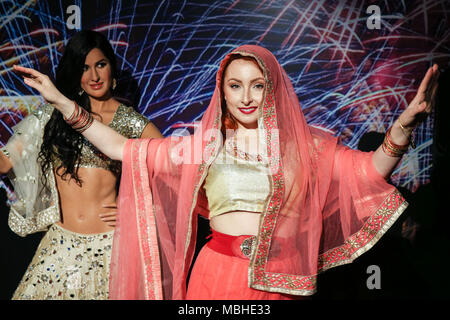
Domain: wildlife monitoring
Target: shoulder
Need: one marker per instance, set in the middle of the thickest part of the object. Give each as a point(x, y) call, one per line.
point(128, 111)
point(129, 122)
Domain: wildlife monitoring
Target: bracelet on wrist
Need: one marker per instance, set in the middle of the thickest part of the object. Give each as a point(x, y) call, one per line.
point(410, 136)
point(80, 120)
point(392, 149)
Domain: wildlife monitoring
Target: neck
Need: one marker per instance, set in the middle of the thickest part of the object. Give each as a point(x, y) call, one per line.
point(247, 140)
point(99, 105)
point(245, 132)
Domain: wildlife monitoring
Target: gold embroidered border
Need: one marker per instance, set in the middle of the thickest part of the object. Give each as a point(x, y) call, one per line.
point(363, 240)
point(212, 144)
point(260, 250)
point(258, 261)
point(372, 230)
point(147, 236)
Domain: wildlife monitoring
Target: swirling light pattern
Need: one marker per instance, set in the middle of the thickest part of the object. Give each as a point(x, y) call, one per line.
point(349, 79)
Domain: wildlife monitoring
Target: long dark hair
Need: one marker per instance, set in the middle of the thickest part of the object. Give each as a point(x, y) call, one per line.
point(59, 139)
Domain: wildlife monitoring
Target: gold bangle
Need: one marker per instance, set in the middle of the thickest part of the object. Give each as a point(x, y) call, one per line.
point(410, 136)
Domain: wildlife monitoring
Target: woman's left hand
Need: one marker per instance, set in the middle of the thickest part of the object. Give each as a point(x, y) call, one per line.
point(422, 104)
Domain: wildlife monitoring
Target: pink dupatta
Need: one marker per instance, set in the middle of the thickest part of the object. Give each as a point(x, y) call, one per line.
point(327, 206)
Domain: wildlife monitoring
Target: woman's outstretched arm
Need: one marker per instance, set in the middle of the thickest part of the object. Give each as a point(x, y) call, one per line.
point(401, 130)
point(103, 137)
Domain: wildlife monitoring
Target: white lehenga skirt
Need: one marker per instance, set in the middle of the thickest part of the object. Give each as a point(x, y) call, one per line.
point(68, 265)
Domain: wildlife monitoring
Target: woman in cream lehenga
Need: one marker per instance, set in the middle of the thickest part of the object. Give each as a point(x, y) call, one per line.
point(63, 184)
point(284, 199)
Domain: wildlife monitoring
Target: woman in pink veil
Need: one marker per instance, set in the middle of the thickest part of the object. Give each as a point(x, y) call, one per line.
point(285, 200)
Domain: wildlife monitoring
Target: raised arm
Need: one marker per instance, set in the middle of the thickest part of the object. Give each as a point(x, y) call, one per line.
point(103, 137)
point(400, 132)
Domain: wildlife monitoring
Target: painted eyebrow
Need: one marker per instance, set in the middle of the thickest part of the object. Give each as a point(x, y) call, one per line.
point(101, 60)
point(237, 80)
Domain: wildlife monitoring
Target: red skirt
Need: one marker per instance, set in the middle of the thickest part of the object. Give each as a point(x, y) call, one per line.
point(221, 272)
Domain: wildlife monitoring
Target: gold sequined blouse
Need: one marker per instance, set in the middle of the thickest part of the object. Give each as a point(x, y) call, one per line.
point(128, 123)
point(236, 184)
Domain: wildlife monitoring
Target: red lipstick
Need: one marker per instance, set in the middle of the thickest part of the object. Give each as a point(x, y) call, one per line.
point(96, 86)
point(248, 110)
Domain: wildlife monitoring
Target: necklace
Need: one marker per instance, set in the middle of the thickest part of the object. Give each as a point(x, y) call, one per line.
point(238, 153)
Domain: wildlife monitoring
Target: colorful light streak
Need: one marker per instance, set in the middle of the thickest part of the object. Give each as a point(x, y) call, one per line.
point(349, 79)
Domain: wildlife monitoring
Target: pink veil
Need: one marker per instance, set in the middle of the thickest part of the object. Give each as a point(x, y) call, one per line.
point(327, 206)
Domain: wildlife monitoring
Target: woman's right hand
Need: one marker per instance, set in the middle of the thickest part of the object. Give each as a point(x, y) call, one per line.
point(100, 135)
point(46, 88)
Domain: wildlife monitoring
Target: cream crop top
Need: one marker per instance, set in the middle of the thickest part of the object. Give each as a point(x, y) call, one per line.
point(236, 184)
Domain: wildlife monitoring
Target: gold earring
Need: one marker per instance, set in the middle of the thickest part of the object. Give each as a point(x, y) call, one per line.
point(114, 83)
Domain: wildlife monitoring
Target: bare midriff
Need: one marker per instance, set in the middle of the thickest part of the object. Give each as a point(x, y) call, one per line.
point(236, 223)
point(81, 206)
